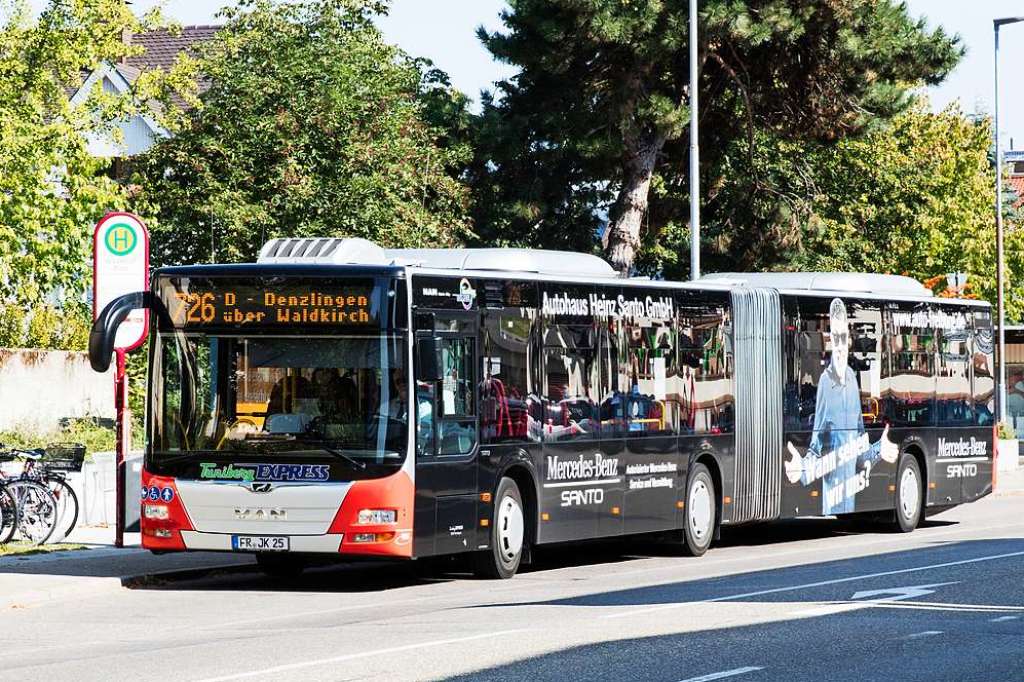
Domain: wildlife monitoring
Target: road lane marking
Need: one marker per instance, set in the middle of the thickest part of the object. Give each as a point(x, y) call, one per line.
point(805, 586)
point(921, 539)
point(834, 607)
point(926, 633)
point(830, 609)
point(362, 654)
point(949, 606)
point(725, 673)
point(899, 593)
point(1001, 619)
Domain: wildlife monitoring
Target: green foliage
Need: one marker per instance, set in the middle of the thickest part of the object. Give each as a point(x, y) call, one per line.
point(312, 126)
point(914, 198)
point(12, 326)
point(45, 326)
point(51, 190)
point(95, 438)
point(596, 119)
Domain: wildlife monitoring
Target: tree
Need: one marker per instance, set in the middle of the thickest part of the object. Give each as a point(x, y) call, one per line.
point(312, 126)
point(52, 191)
point(914, 198)
point(603, 90)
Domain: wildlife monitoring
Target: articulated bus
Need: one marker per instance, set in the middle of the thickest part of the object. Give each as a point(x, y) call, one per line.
point(337, 398)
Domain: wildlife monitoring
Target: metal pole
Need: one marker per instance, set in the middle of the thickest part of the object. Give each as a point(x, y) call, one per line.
point(694, 150)
point(1001, 357)
point(121, 405)
point(1000, 307)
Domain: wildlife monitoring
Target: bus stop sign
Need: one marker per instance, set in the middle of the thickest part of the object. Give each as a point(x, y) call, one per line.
point(120, 247)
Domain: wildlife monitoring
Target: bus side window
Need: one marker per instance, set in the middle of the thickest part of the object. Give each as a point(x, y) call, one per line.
point(424, 418)
point(509, 409)
point(570, 384)
point(982, 369)
point(704, 382)
point(650, 399)
point(456, 423)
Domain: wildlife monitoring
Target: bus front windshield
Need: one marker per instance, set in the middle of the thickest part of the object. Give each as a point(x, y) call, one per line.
point(343, 397)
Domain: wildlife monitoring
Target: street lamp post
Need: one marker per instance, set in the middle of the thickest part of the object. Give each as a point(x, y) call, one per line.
point(1001, 311)
point(694, 150)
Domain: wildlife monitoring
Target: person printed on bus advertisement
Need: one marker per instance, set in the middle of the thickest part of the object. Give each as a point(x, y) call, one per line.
point(839, 444)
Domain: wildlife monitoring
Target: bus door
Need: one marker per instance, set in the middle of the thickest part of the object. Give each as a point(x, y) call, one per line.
point(446, 433)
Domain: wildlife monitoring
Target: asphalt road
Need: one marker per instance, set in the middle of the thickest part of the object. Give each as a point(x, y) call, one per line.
point(804, 600)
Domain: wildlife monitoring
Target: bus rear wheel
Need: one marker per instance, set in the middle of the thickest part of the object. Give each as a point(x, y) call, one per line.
point(508, 534)
point(699, 511)
point(908, 494)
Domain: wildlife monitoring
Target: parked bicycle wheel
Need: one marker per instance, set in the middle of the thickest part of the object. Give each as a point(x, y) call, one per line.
point(37, 511)
point(8, 515)
point(67, 506)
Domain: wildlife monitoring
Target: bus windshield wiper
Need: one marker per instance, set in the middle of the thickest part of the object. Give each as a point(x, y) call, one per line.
point(341, 455)
point(163, 458)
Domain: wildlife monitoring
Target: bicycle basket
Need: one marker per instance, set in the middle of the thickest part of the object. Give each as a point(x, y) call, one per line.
point(64, 456)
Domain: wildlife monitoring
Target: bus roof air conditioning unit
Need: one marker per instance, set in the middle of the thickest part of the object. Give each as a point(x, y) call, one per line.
point(323, 251)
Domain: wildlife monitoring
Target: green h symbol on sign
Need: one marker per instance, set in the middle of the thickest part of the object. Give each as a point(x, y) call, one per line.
point(121, 239)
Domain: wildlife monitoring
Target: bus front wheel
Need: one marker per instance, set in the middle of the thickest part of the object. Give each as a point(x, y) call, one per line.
point(699, 511)
point(508, 533)
point(908, 494)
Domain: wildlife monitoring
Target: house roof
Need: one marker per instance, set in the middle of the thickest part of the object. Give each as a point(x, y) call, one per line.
point(162, 47)
point(1017, 183)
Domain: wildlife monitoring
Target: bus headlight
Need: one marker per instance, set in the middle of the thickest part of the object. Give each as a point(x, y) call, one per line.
point(157, 512)
point(369, 517)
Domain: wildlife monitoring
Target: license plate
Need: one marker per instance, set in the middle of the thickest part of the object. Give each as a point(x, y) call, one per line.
point(259, 543)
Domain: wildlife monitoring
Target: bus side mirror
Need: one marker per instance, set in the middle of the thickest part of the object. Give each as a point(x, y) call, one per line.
point(428, 360)
point(104, 329)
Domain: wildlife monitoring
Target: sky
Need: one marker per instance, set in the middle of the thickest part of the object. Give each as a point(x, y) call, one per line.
point(445, 32)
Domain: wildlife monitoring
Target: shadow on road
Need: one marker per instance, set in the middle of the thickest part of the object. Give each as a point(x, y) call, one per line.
point(959, 587)
point(232, 572)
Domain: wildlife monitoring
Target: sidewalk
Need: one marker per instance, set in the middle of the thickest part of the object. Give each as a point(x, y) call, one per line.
point(1010, 482)
point(27, 581)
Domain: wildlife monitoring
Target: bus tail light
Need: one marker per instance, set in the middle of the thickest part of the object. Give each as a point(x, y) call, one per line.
point(373, 537)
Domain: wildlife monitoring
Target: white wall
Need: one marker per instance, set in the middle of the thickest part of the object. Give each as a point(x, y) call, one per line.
point(39, 388)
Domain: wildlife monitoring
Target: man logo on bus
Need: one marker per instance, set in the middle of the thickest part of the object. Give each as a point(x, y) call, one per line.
point(840, 452)
point(121, 239)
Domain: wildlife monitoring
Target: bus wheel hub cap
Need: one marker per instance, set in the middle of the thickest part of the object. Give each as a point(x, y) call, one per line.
point(700, 510)
point(908, 493)
point(510, 528)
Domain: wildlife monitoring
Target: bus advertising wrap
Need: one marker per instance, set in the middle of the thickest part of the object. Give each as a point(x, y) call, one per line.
point(841, 454)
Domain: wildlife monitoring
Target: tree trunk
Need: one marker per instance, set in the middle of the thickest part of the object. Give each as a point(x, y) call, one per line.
point(631, 204)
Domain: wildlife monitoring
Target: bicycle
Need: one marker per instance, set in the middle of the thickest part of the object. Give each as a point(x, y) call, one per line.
point(49, 467)
point(36, 510)
point(8, 514)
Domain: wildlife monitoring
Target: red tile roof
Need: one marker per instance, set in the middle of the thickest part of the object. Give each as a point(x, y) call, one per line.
point(1017, 182)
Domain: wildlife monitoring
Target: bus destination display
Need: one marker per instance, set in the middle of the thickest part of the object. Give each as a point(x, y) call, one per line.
point(194, 303)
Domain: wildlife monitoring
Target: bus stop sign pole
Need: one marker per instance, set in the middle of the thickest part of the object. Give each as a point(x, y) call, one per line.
point(121, 423)
point(121, 266)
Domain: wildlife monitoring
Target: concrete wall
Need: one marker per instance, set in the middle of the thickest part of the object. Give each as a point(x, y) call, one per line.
point(39, 388)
